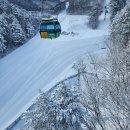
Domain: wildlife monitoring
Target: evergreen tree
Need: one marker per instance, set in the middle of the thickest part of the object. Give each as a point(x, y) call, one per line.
point(3, 24)
point(71, 115)
point(41, 117)
point(30, 31)
point(116, 6)
point(71, 8)
point(61, 111)
point(2, 43)
point(94, 15)
point(120, 29)
point(16, 24)
point(18, 36)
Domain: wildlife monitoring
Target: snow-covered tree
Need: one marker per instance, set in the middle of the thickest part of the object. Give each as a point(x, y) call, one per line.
point(42, 116)
point(28, 5)
point(26, 20)
point(16, 24)
point(2, 43)
point(105, 97)
point(3, 24)
point(119, 84)
point(94, 15)
point(18, 36)
point(71, 114)
point(116, 6)
point(119, 41)
point(61, 111)
point(30, 30)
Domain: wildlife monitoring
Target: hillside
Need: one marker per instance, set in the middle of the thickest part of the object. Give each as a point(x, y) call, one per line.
point(35, 5)
point(16, 26)
point(79, 80)
point(40, 64)
point(19, 21)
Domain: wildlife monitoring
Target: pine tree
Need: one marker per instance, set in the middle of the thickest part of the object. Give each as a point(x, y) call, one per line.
point(115, 7)
point(120, 29)
point(71, 115)
point(41, 117)
point(94, 15)
point(3, 28)
point(71, 8)
point(2, 43)
point(30, 31)
point(18, 36)
point(61, 111)
point(16, 24)
point(3, 24)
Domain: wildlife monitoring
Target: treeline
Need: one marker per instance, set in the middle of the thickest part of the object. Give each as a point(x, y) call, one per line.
point(29, 5)
point(80, 6)
point(16, 26)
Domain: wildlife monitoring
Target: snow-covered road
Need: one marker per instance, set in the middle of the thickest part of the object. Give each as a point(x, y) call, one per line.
point(39, 64)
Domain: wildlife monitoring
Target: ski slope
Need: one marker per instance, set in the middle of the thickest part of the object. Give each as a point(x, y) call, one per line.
point(40, 64)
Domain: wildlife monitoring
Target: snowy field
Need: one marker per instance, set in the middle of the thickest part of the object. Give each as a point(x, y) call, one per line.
point(40, 64)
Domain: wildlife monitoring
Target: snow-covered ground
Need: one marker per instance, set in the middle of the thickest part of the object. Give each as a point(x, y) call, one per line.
point(40, 64)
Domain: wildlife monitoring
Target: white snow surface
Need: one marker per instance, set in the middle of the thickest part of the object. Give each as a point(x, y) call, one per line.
point(41, 63)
